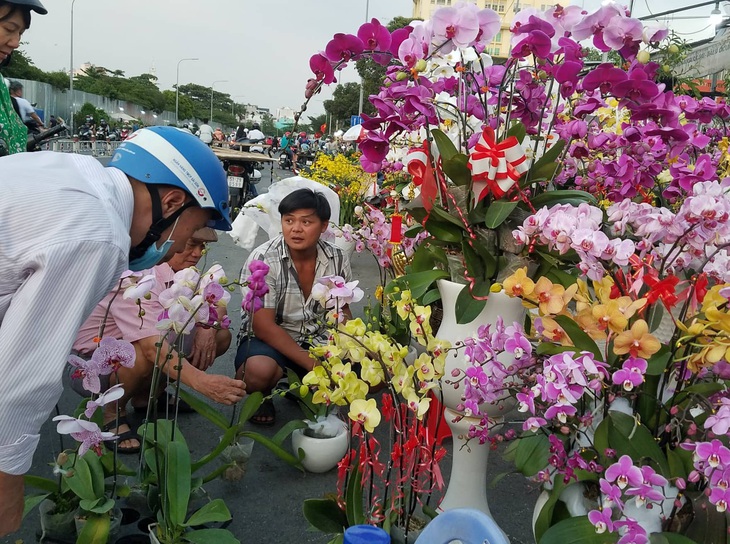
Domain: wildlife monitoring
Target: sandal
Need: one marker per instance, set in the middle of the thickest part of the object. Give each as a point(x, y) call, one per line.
point(114, 425)
point(265, 416)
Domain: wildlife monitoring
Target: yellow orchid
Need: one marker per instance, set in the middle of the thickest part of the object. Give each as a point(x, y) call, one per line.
point(551, 297)
point(317, 376)
point(418, 405)
point(404, 305)
point(603, 288)
point(372, 371)
point(610, 316)
point(554, 332)
point(424, 367)
point(354, 388)
point(637, 341)
point(365, 412)
point(518, 284)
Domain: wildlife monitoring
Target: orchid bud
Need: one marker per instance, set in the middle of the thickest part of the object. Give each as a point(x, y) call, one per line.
point(147, 296)
point(674, 410)
point(70, 473)
point(62, 459)
point(565, 429)
point(694, 477)
point(643, 57)
point(231, 288)
point(141, 313)
point(666, 68)
point(420, 66)
point(401, 76)
point(455, 373)
point(388, 82)
point(681, 484)
point(673, 49)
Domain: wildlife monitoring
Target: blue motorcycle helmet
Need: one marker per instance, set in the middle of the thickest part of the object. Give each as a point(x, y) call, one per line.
point(170, 156)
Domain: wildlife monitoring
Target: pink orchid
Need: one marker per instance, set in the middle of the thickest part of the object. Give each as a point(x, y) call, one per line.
point(461, 26)
point(374, 36)
point(86, 432)
point(322, 68)
point(631, 373)
point(490, 23)
point(113, 394)
point(89, 371)
point(601, 520)
point(343, 47)
point(624, 473)
point(141, 288)
point(113, 354)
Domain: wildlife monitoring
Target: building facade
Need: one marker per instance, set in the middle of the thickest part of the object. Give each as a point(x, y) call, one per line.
point(500, 46)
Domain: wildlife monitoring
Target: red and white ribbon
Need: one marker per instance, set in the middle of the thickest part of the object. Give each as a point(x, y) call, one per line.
point(418, 164)
point(495, 167)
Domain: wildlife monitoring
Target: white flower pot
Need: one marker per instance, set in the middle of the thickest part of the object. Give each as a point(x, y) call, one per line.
point(320, 454)
point(347, 246)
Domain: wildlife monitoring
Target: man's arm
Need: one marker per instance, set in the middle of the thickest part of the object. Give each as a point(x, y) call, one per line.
point(266, 330)
point(11, 503)
point(216, 387)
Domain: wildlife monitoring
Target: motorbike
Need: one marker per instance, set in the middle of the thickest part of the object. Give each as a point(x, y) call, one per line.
point(85, 133)
point(242, 179)
point(34, 140)
point(124, 134)
point(285, 162)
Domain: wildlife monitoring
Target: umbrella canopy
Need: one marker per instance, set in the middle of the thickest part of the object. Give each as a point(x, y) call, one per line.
point(353, 134)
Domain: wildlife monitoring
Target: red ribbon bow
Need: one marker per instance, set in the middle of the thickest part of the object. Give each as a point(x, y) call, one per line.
point(418, 163)
point(495, 167)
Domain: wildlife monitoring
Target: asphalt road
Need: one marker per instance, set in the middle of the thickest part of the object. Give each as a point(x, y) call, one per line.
point(267, 504)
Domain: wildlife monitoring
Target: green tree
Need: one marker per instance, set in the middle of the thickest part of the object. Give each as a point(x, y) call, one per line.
point(345, 102)
point(316, 122)
point(22, 67)
point(186, 106)
point(267, 124)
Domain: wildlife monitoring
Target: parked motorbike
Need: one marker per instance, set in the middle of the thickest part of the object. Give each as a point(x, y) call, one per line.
point(85, 133)
point(240, 184)
point(285, 162)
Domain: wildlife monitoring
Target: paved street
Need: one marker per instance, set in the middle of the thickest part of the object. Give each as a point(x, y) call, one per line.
point(266, 504)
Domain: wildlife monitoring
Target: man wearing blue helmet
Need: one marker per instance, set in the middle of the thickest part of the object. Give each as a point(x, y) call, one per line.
point(162, 185)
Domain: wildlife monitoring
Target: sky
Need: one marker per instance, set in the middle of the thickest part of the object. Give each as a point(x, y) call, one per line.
point(261, 47)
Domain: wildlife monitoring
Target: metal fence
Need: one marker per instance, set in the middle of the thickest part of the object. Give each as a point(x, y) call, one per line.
point(94, 148)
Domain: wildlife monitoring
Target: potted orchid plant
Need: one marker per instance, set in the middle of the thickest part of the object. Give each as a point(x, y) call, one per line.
point(377, 484)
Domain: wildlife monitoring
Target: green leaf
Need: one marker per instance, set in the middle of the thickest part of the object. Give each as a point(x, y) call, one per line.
point(457, 170)
point(274, 448)
point(430, 297)
point(211, 536)
point(545, 517)
point(214, 511)
point(353, 496)
point(325, 515)
point(96, 470)
point(224, 442)
point(600, 438)
point(562, 196)
point(177, 482)
point(250, 406)
point(497, 212)
point(669, 538)
point(517, 130)
point(99, 506)
point(205, 409)
point(418, 282)
point(80, 482)
point(657, 363)
point(467, 307)
point(577, 530)
point(546, 348)
point(548, 164)
point(287, 429)
point(44, 484)
point(446, 232)
point(579, 337)
point(446, 147)
point(628, 437)
point(31, 501)
point(676, 463)
point(532, 454)
point(96, 530)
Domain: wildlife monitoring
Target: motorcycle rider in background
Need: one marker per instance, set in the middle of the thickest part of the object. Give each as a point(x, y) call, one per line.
point(256, 136)
point(25, 110)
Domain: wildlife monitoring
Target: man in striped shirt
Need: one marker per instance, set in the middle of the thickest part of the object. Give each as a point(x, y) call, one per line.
point(290, 320)
point(68, 229)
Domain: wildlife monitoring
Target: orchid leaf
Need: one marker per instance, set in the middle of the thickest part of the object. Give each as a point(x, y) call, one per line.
point(44, 484)
point(101, 505)
point(96, 529)
point(177, 482)
point(580, 338)
point(205, 410)
point(657, 363)
point(211, 536)
point(31, 501)
point(497, 212)
point(446, 147)
point(545, 516)
point(443, 231)
point(353, 496)
point(676, 463)
point(81, 481)
point(532, 454)
point(446, 217)
point(629, 437)
point(287, 429)
point(547, 165)
point(562, 196)
point(457, 170)
point(414, 231)
point(325, 515)
point(670, 538)
point(467, 307)
point(250, 406)
point(224, 442)
point(418, 283)
point(275, 448)
point(430, 297)
point(576, 530)
point(517, 130)
point(214, 511)
point(546, 348)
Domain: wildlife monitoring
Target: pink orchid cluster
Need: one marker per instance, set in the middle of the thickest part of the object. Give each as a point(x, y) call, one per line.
point(627, 488)
point(438, 70)
point(695, 237)
point(256, 287)
point(108, 357)
point(711, 462)
point(194, 298)
point(375, 235)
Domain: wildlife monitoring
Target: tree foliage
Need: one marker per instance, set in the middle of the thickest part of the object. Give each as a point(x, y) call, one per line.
point(345, 102)
point(22, 67)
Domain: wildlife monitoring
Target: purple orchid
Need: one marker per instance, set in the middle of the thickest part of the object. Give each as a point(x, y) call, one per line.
point(489, 24)
point(374, 36)
point(397, 38)
point(604, 77)
point(621, 31)
point(536, 43)
point(322, 68)
point(344, 47)
point(601, 520)
point(624, 473)
point(375, 146)
point(113, 354)
point(631, 374)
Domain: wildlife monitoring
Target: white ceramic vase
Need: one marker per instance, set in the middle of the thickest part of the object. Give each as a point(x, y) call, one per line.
point(468, 481)
point(320, 454)
point(347, 246)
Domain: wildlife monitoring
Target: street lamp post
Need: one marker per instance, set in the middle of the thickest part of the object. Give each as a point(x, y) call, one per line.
point(177, 89)
point(362, 90)
point(71, 70)
point(211, 96)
